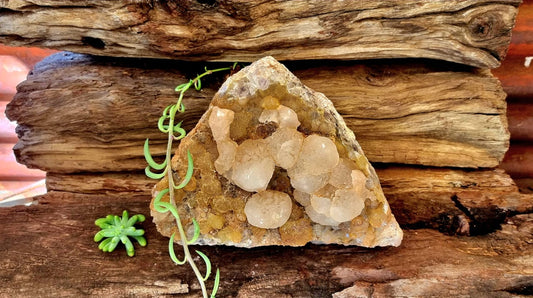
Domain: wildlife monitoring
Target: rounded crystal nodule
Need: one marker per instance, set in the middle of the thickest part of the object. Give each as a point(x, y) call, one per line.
point(284, 146)
point(227, 149)
point(268, 209)
point(219, 121)
point(253, 166)
point(331, 188)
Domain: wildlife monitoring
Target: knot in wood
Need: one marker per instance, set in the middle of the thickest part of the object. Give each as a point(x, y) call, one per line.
point(379, 76)
point(486, 26)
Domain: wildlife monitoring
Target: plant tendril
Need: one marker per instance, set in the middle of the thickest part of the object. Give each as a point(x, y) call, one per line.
point(166, 125)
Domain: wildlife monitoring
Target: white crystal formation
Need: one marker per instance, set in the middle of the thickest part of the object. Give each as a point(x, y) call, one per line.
point(330, 188)
point(253, 166)
point(268, 209)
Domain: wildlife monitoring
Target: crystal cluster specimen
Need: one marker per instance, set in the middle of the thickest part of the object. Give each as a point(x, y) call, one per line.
point(275, 164)
point(335, 189)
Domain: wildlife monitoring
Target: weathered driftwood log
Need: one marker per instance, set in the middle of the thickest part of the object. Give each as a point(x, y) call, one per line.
point(450, 200)
point(41, 243)
point(80, 113)
point(472, 32)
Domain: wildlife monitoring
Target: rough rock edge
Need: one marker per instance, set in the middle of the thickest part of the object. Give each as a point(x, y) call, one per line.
point(390, 235)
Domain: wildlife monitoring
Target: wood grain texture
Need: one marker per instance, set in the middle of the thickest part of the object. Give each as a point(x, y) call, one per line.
point(47, 250)
point(473, 32)
point(450, 200)
point(81, 113)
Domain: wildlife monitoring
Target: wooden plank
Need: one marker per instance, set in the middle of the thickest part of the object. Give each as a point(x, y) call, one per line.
point(41, 243)
point(470, 32)
point(112, 184)
point(74, 108)
point(451, 200)
point(438, 198)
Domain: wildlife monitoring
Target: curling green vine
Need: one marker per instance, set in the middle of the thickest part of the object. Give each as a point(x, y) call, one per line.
point(175, 132)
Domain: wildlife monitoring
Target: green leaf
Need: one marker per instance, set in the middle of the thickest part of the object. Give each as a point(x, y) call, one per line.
point(129, 246)
point(165, 111)
point(113, 244)
point(104, 244)
point(157, 201)
point(140, 239)
point(150, 160)
point(207, 264)
point(98, 236)
point(190, 170)
point(104, 223)
point(181, 131)
point(132, 220)
point(124, 219)
point(198, 84)
point(161, 124)
point(135, 232)
point(108, 219)
point(196, 232)
point(171, 208)
point(183, 87)
point(116, 220)
point(173, 110)
point(171, 252)
point(152, 175)
point(181, 108)
point(108, 233)
point(216, 285)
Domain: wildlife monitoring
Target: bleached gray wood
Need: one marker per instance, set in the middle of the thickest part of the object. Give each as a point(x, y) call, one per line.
point(473, 32)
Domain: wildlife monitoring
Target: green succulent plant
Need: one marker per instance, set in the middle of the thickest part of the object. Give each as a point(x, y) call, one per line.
point(119, 229)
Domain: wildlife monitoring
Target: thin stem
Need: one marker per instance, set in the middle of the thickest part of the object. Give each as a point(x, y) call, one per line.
point(180, 108)
point(183, 237)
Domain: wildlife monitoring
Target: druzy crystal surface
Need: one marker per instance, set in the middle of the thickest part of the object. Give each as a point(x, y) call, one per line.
point(275, 164)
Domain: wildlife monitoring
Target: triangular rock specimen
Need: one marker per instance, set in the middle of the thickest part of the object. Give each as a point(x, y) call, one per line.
point(275, 164)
